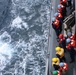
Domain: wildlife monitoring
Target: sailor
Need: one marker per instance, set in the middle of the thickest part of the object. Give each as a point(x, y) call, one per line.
point(56, 26)
point(62, 42)
point(55, 63)
point(62, 9)
point(63, 67)
point(56, 72)
point(59, 16)
point(70, 47)
point(71, 36)
point(64, 2)
point(60, 54)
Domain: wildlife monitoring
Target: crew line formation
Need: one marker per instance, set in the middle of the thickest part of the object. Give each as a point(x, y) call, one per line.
point(66, 44)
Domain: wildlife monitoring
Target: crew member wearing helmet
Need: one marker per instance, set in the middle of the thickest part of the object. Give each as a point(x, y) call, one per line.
point(56, 72)
point(55, 63)
point(71, 36)
point(63, 67)
point(62, 42)
point(62, 9)
point(59, 16)
point(72, 39)
point(70, 44)
point(70, 48)
point(60, 54)
point(56, 26)
point(64, 2)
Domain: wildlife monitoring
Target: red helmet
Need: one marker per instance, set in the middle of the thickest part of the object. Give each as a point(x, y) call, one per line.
point(61, 36)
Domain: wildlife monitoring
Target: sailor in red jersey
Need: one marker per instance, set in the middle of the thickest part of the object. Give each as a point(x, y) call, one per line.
point(56, 26)
point(73, 43)
point(64, 2)
point(62, 42)
point(62, 9)
point(71, 36)
point(59, 16)
point(63, 67)
point(70, 47)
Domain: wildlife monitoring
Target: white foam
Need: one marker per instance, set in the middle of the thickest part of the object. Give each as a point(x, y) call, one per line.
point(25, 25)
point(5, 54)
point(19, 23)
point(16, 22)
point(5, 37)
point(5, 49)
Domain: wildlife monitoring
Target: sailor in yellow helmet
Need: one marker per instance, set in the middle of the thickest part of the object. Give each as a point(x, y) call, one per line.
point(60, 54)
point(55, 63)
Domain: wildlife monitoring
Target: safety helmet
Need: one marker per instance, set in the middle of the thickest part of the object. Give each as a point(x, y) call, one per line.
point(59, 6)
point(54, 59)
point(60, 36)
point(61, 64)
point(68, 40)
point(58, 49)
point(53, 19)
point(56, 14)
point(69, 34)
point(55, 72)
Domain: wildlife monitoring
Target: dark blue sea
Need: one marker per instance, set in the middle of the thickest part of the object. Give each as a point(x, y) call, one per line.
point(24, 37)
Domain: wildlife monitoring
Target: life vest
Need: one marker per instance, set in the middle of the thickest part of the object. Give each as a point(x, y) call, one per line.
point(59, 16)
point(61, 52)
point(61, 40)
point(68, 46)
point(71, 44)
point(56, 24)
point(73, 37)
point(62, 8)
point(59, 73)
point(65, 67)
point(63, 2)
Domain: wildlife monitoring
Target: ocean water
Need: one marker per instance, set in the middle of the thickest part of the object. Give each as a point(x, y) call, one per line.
point(24, 37)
